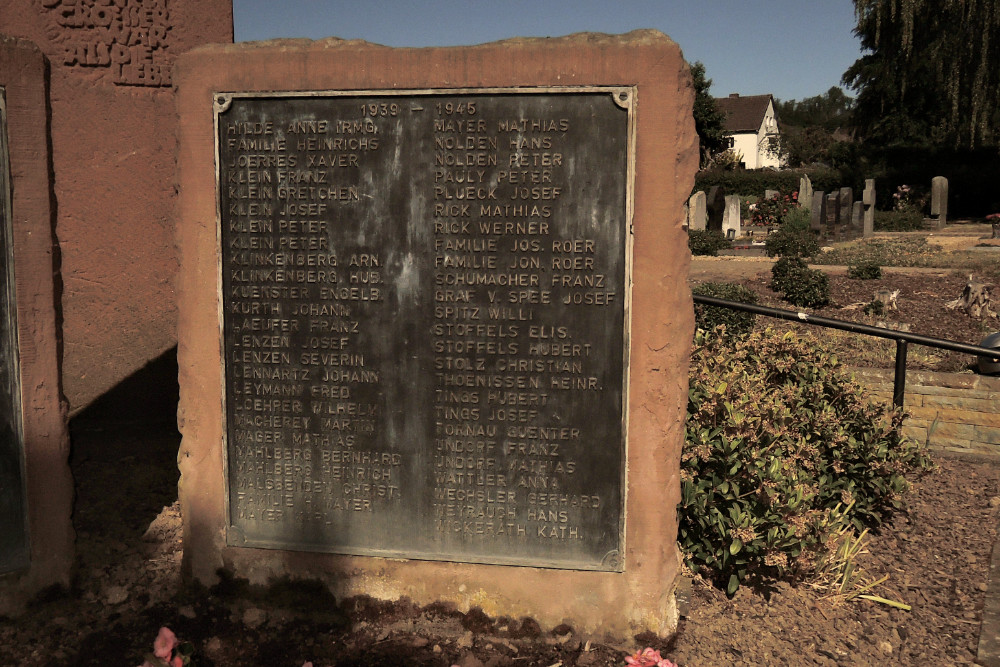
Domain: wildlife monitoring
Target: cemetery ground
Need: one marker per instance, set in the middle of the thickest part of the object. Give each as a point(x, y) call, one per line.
point(936, 553)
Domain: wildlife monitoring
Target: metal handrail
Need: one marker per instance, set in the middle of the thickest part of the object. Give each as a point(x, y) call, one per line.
point(902, 338)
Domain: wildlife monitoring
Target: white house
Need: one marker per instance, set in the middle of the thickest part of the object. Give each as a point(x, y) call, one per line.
point(751, 124)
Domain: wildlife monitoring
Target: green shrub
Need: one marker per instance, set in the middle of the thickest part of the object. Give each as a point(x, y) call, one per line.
point(865, 270)
point(908, 220)
point(798, 284)
point(737, 323)
point(783, 449)
point(794, 238)
point(707, 242)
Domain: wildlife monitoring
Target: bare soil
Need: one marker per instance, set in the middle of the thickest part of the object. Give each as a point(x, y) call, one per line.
point(936, 554)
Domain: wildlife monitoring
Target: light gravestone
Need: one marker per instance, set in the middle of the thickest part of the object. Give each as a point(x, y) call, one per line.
point(697, 212)
point(939, 202)
point(36, 488)
point(868, 199)
point(805, 190)
point(434, 318)
point(731, 226)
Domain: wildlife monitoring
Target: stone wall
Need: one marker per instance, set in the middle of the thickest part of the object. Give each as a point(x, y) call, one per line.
point(958, 412)
point(112, 130)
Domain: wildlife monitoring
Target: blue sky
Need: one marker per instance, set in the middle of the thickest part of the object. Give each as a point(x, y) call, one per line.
point(791, 48)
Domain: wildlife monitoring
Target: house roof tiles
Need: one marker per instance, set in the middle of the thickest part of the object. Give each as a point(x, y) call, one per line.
point(743, 113)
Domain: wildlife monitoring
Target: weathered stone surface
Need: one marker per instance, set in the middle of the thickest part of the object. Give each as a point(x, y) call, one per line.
point(113, 129)
point(617, 603)
point(697, 211)
point(49, 486)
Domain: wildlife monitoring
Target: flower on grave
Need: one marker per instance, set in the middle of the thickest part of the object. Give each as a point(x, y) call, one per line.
point(648, 657)
point(165, 643)
point(168, 651)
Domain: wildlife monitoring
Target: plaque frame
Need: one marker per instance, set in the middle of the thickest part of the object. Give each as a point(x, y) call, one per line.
point(8, 300)
point(624, 97)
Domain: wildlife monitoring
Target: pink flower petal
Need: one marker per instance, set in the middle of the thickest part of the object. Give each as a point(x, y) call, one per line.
point(165, 643)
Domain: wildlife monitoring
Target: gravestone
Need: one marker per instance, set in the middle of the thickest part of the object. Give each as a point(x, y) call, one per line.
point(846, 205)
point(697, 212)
point(805, 190)
point(857, 218)
point(36, 489)
point(832, 222)
point(442, 288)
point(731, 226)
point(939, 202)
point(817, 212)
point(868, 199)
point(716, 207)
point(112, 132)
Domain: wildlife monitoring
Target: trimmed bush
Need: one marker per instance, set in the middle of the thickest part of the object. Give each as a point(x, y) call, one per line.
point(709, 318)
point(794, 238)
point(707, 242)
point(864, 271)
point(908, 220)
point(783, 449)
point(800, 285)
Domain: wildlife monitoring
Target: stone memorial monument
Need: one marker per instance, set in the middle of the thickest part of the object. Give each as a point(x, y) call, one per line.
point(36, 489)
point(112, 129)
point(434, 321)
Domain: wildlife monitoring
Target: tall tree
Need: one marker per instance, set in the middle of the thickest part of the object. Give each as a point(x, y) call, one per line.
point(709, 121)
point(930, 72)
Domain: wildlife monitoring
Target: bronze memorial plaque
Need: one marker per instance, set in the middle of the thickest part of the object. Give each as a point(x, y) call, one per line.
point(425, 322)
point(14, 551)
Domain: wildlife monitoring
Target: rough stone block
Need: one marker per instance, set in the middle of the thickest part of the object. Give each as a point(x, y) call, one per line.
point(635, 597)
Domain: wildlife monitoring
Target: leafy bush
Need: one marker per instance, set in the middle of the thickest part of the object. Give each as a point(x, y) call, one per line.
point(794, 238)
point(707, 242)
point(737, 323)
point(783, 449)
point(907, 220)
point(800, 285)
point(864, 270)
point(770, 211)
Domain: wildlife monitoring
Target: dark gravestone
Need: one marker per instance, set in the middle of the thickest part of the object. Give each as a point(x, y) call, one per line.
point(716, 207)
point(424, 324)
point(817, 212)
point(14, 553)
point(832, 223)
point(846, 205)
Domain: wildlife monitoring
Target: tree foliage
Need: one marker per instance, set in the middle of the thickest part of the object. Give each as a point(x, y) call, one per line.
point(812, 128)
point(929, 74)
point(709, 120)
